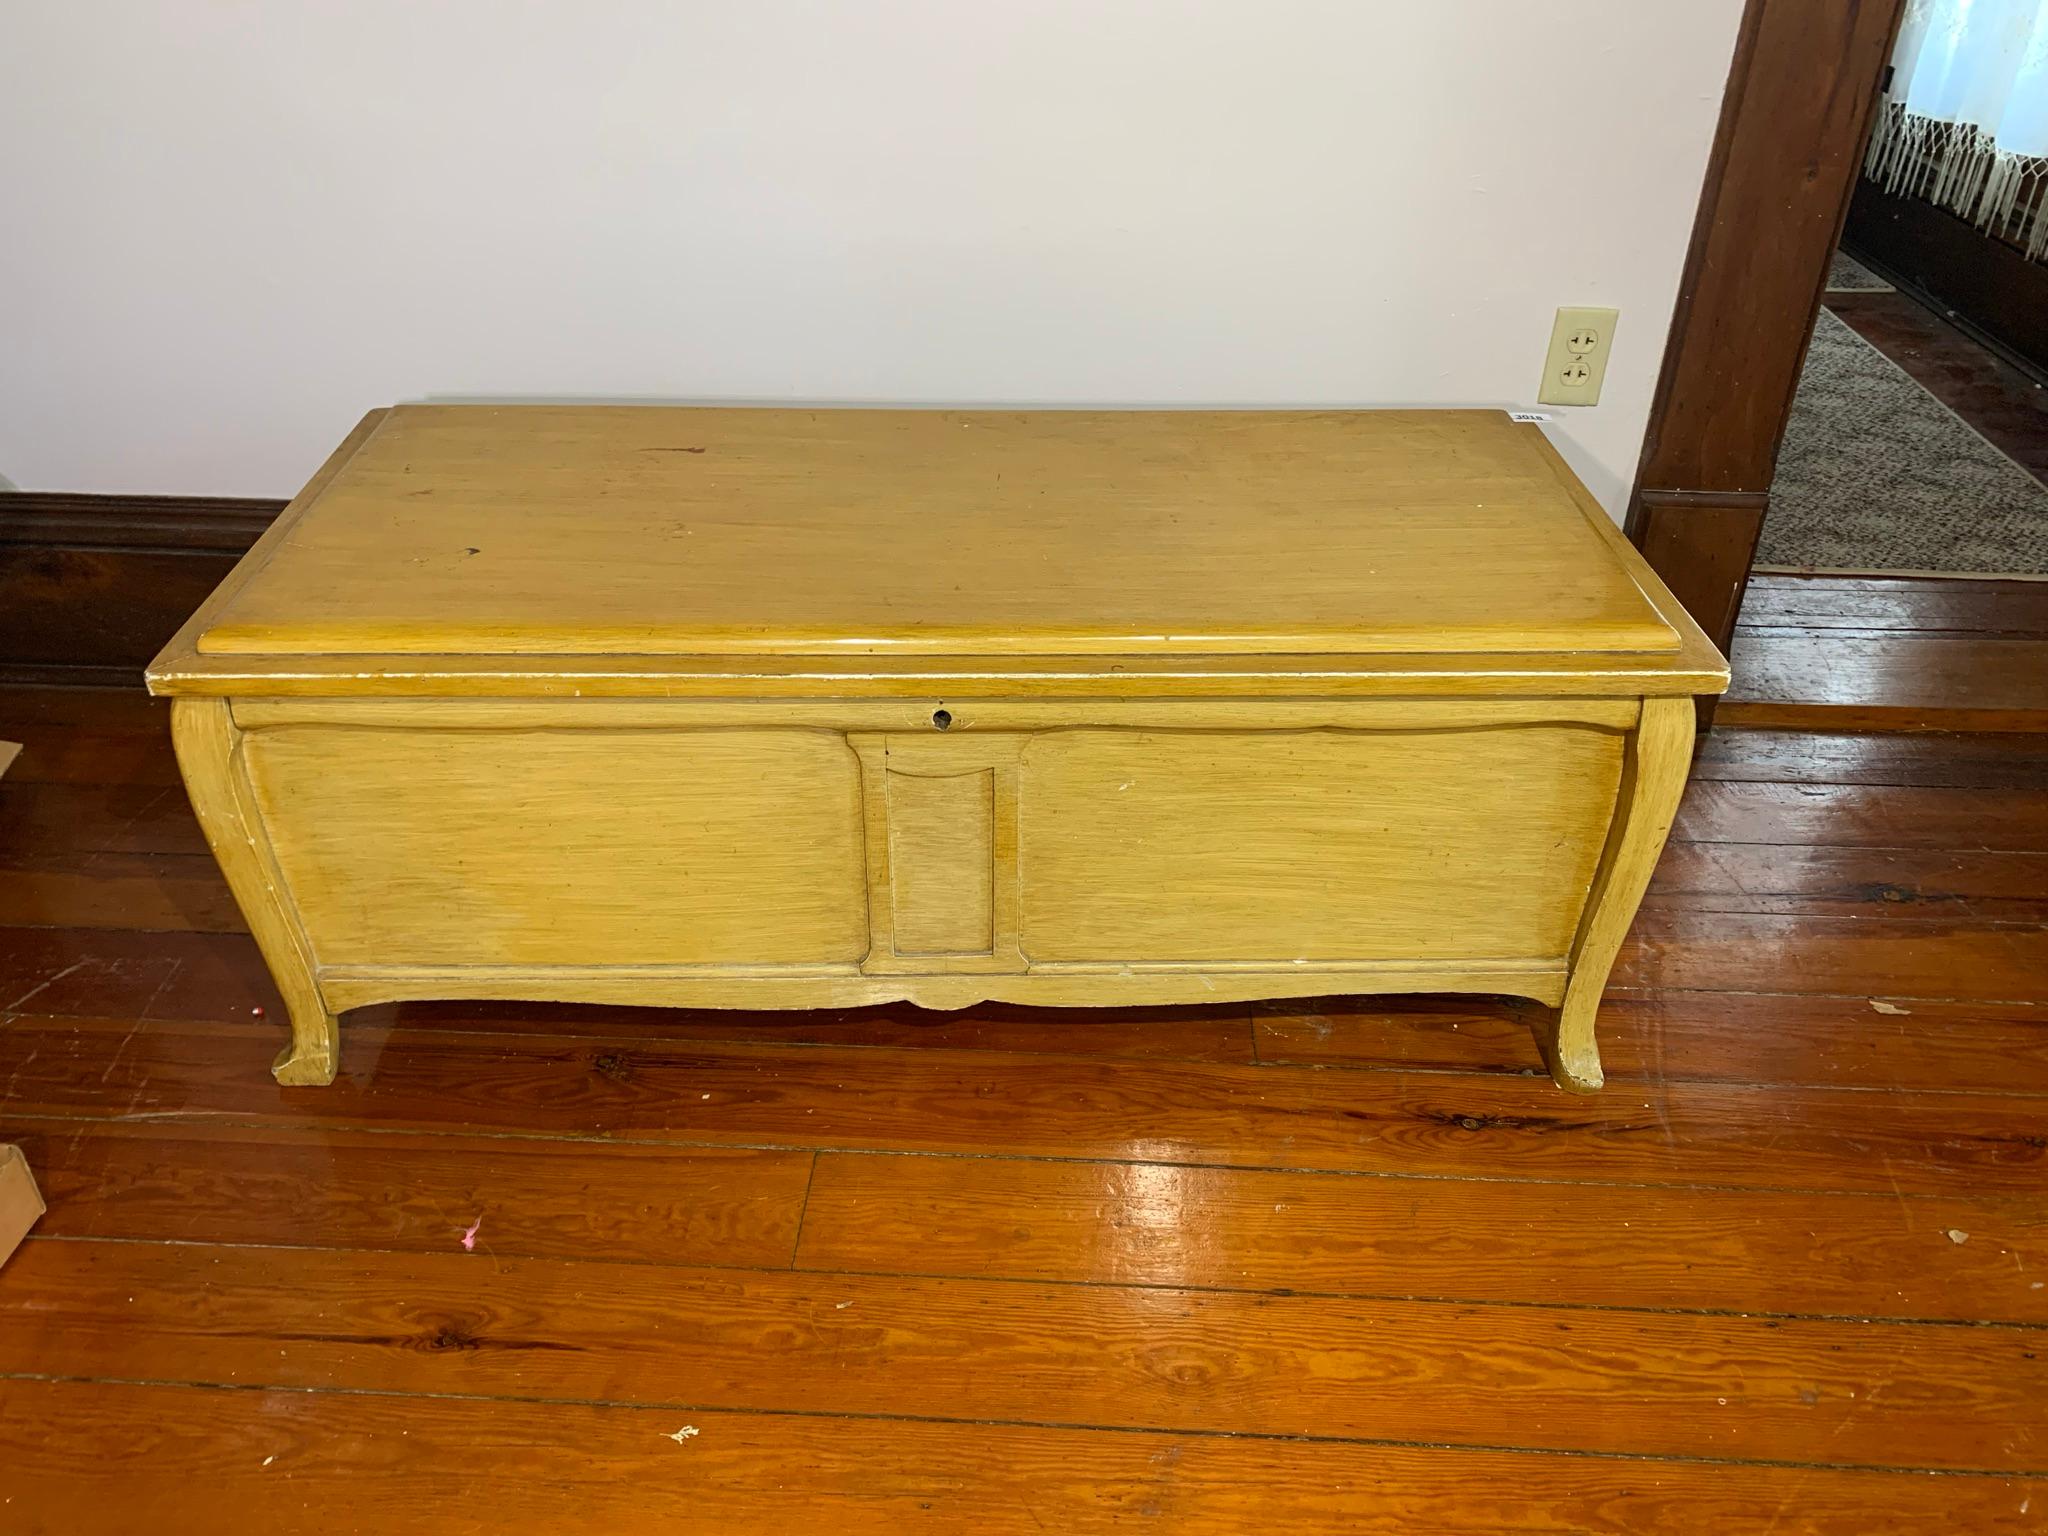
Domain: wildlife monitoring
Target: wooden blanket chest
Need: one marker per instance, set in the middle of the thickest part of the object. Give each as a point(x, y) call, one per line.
point(794, 708)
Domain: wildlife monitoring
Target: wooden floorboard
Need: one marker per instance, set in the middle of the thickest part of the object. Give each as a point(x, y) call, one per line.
point(56, 753)
point(1791, 1253)
point(1743, 1251)
point(2004, 762)
point(320, 1187)
point(1897, 681)
point(52, 817)
point(1881, 885)
point(718, 1094)
point(1963, 610)
point(157, 892)
point(971, 1349)
point(308, 1463)
point(1933, 957)
point(88, 972)
point(1825, 815)
point(1783, 1039)
point(1320, 1265)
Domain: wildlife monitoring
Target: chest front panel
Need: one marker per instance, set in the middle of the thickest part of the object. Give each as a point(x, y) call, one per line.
point(562, 837)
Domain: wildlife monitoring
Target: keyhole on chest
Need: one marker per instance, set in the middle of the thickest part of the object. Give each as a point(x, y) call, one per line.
point(942, 718)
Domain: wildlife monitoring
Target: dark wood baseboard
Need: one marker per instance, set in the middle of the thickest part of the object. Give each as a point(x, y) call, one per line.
point(1985, 283)
point(92, 586)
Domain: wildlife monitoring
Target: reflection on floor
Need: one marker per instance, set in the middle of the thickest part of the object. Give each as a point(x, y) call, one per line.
point(1856, 653)
point(1324, 1267)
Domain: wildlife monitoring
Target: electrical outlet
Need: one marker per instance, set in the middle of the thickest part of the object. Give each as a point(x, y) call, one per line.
point(1577, 364)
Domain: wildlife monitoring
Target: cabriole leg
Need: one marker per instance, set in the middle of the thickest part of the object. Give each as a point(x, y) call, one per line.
point(314, 1053)
point(1653, 778)
point(206, 738)
point(1574, 1052)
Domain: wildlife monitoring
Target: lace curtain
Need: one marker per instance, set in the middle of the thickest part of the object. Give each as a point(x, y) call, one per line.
point(1966, 125)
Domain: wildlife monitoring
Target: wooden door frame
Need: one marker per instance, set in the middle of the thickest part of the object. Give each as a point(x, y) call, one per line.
point(1802, 93)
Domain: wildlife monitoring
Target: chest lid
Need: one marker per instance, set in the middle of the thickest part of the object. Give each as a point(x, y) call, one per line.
point(673, 531)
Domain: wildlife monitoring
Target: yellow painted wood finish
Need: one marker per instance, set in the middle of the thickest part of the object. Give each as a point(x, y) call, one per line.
point(911, 725)
point(1658, 758)
point(208, 747)
point(565, 848)
point(1697, 668)
point(942, 851)
point(961, 986)
point(536, 530)
point(1300, 847)
point(852, 707)
point(942, 860)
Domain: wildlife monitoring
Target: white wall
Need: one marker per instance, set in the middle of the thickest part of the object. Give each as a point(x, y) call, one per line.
point(230, 228)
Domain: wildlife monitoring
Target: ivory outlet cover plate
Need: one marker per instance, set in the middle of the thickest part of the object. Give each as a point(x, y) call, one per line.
point(1577, 364)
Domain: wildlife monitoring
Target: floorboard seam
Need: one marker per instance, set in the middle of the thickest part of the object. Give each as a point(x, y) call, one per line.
point(1763, 1316)
point(796, 1244)
point(227, 1120)
point(1381, 1443)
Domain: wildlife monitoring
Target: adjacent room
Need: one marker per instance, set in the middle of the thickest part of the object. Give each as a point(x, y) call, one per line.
point(1908, 532)
point(1028, 767)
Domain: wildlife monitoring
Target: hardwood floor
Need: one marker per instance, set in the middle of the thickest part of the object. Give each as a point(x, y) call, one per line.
point(1839, 653)
point(1337, 1265)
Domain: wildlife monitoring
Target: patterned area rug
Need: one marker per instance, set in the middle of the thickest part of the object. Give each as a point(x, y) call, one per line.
point(1848, 275)
point(1878, 475)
